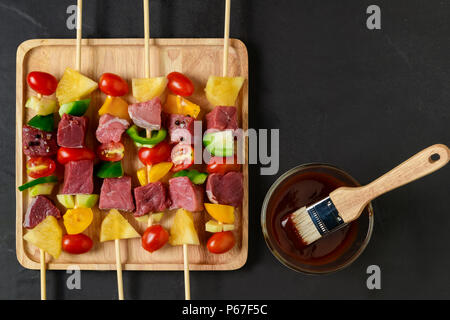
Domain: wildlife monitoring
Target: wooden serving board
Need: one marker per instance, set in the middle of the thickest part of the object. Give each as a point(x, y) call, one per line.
point(198, 59)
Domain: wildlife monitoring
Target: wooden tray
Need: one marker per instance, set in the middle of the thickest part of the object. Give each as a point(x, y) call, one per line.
point(197, 58)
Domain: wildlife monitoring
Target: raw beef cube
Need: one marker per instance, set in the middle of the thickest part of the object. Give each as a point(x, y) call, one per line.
point(181, 129)
point(146, 114)
point(110, 128)
point(184, 194)
point(38, 143)
point(116, 194)
point(222, 118)
point(150, 198)
point(78, 177)
point(225, 188)
point(72, 131)
point(40, 208)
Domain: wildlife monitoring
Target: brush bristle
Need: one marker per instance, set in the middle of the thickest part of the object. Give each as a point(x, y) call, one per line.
point(305, 227)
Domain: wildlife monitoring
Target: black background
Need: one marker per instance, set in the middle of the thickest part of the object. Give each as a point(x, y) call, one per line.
point(359, 99)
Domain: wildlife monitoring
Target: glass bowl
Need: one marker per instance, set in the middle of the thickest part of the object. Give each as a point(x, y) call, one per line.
point(305, 185)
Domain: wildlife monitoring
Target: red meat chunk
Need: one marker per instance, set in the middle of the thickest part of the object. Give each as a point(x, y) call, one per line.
point(150, 198)
point(181, 128)
point(110, 128)
point(146, 114)
point(38, 143)
point(184, 194)
point(116, 194)
point(225, 188)
point(222, 118)
point(72, 131)
point(40, 208)
point(78, 177)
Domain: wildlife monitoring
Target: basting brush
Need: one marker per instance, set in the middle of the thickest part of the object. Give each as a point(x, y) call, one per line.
point(346, 204)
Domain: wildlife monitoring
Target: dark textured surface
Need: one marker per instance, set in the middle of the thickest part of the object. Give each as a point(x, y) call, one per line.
point(362, 100)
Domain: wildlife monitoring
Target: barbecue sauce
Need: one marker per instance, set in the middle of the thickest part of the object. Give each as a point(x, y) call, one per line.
point(302, 190)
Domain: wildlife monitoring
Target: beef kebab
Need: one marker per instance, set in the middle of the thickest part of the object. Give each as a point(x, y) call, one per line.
point(115, 192)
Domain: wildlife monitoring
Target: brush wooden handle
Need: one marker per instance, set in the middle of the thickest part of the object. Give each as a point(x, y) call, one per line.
point(350, 202)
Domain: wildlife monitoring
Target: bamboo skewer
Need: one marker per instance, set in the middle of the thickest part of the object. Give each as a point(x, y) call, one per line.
point(187, 283)
point(119, 269)
point(43, 282)
point(147, 71)
point(79, 33)
point(226, 38)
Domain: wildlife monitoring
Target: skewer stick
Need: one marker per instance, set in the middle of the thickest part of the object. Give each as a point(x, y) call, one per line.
point(79, 33)
point(119, 269)
point(43, 282)
point(187, 284)
point(147, 63)
point(226, 37)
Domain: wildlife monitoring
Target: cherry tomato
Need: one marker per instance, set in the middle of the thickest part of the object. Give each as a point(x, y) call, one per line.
point(74, 154)
point(42, 82)
point(154, 238)
point(159, 153)
point(182, 157)
point(40, 167)
point(113, 85)
point(221, 242)
point(76, 243)
point(220, 165)
point(111, 151)
point(180, 84)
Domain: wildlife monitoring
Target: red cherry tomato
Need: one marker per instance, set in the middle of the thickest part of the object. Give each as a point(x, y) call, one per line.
point(74, 154)
point(221, 242)
point(113, 85)
point(220, 165)
point(42, 82)
point(159, 153)
point(40, 167)
point(76, 243)
point(180, 84)
point(154, 238)
point(111, 151)
point(182, 157)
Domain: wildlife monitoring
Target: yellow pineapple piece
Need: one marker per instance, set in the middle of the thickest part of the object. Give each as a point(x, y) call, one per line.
point(74, 86)
point(148, 88)
point(228, 227)
point(223, 91)
point(183, 230)
point(47, 236)
point(115, 226)
point(213, 226)
point(115, 106)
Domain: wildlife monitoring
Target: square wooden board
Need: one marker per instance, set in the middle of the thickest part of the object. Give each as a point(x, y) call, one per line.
point(198, 59)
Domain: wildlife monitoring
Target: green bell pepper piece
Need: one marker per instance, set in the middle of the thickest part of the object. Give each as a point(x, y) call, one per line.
point(110, 170)
point(44, 123)
point(75, 108)
point(157, 136)
point(37, 181)
point(193, 175)
point(220, 144)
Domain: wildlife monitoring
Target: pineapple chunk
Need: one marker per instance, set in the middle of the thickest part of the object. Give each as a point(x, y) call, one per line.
point(183, 230)
point(213, 226)
point(223, 91)
point(47, 236)
point(115, 106)
point(228, 227)
point(42, 106)
point(74, 86)
point(115, 227)
point(148, 88)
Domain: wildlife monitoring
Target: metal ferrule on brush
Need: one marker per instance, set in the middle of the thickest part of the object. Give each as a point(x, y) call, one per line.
point(325, 216)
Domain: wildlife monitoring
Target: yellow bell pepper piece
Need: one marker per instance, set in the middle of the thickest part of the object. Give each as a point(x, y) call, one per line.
point(77, 220)
point(159, 170)
point(115, 106)
point(220, 212)
point(142, 176)
point(179, 105)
